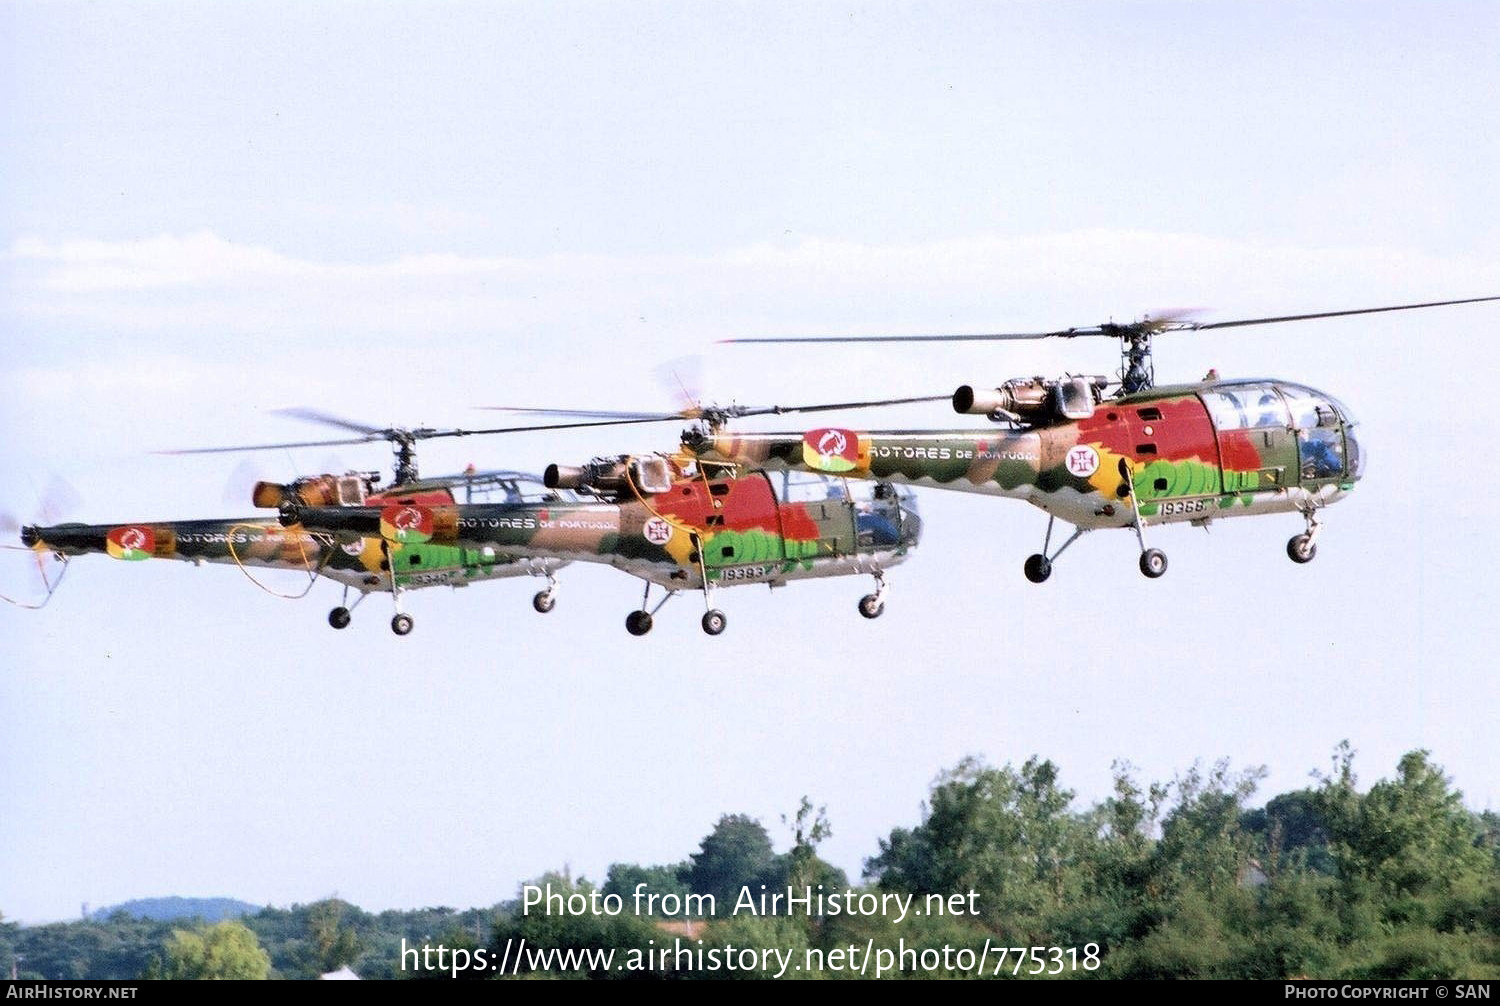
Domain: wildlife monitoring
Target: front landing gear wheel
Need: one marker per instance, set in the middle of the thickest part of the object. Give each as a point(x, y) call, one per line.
point(1153, 562)
point(714, 622)
point(402, 624)
point(1038, 567)
point(638, 623)
point(1301, 548)
point(871, 606)
point(339, 618)
point(544, 601)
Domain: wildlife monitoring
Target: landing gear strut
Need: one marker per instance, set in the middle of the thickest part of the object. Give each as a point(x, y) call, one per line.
point(1038, 567)
point(402, 623)
point(714, 620)
point(1153, 560)
point(871, 605)
point(638, 623)
point(1303, 547)
point(545, 600)
point(339, 617)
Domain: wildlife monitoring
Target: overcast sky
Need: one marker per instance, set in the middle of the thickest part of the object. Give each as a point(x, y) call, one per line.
point(401, 212)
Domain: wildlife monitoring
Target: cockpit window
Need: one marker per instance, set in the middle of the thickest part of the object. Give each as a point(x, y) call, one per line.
point(1321, 453)
point(1246, 407)
point(1348, 416)
point(1304, 404)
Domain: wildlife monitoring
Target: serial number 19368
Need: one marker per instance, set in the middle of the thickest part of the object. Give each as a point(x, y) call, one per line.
point(1178, 508)
point(732, 573)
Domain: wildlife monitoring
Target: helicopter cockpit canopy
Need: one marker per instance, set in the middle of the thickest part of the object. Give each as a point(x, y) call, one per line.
point(1326, 447)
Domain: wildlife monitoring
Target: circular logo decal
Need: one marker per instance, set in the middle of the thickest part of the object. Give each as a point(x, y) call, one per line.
point(830, 449)
point(1083, 461)
point(131, 542)
point(406, 524)
point(658, 531)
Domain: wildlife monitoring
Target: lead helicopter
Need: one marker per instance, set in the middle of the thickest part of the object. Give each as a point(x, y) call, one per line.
point(1099, 454)
point(1140, 456)
point(671, 521)
point(361, 565)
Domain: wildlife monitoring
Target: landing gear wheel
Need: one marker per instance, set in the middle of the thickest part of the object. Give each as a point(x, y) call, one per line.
point(1153, 562)
point(871, 606)
point(714, 622)
point(339, 618)
point(638, 623)
point(402, 624)
point(1301, 548)
point(544, 601)
point(1038, 567)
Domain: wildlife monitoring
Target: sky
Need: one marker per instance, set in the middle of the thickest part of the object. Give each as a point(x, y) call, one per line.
point(403, 213)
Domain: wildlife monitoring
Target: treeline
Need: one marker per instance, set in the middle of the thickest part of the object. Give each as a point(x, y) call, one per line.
point(1165, 880)
point(304, 941)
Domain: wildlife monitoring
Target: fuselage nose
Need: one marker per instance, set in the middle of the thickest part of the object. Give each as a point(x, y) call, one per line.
point(1354, 455)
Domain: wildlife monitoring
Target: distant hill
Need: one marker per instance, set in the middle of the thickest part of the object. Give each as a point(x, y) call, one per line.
point(177, 909)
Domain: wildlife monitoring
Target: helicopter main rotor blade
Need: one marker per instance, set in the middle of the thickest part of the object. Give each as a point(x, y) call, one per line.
point(1195, 326)
point(780, 410)
point(328, 419)
point(586, 413)
point(1111, 329)
point(409, 436)
point(985, 337)
point(711, 413)
point(271, 447)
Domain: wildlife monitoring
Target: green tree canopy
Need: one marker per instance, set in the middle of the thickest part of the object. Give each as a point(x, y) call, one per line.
point(224, 950)
point(736, 854)
point(1003, 833)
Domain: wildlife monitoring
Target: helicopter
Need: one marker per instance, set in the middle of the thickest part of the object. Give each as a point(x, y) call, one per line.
point(673, 523)
point(361, 565)
point(1095, 453)
point(1141, 456)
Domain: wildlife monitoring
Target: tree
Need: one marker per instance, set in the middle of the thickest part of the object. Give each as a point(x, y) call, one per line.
point(623, 879)
point(588, 933)
point(1002, 833)
point(735, 855)
point(332, 945)
point(224, 950)
point(1292, 832)
point(803, 867)
point(1202, 844)
point(1410, 839)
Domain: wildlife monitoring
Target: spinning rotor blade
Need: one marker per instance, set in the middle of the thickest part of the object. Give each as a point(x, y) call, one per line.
point(587, 413)
point(1147, 326)
point(1330, 314)
point(328, 419)
point(270, 447)
point(712, 414)
point(778, 410)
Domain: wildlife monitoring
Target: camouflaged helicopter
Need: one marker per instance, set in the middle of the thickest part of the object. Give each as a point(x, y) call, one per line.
point(1135, 458)
point(361, 565)
point(671, 521)
point(1140, 457)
